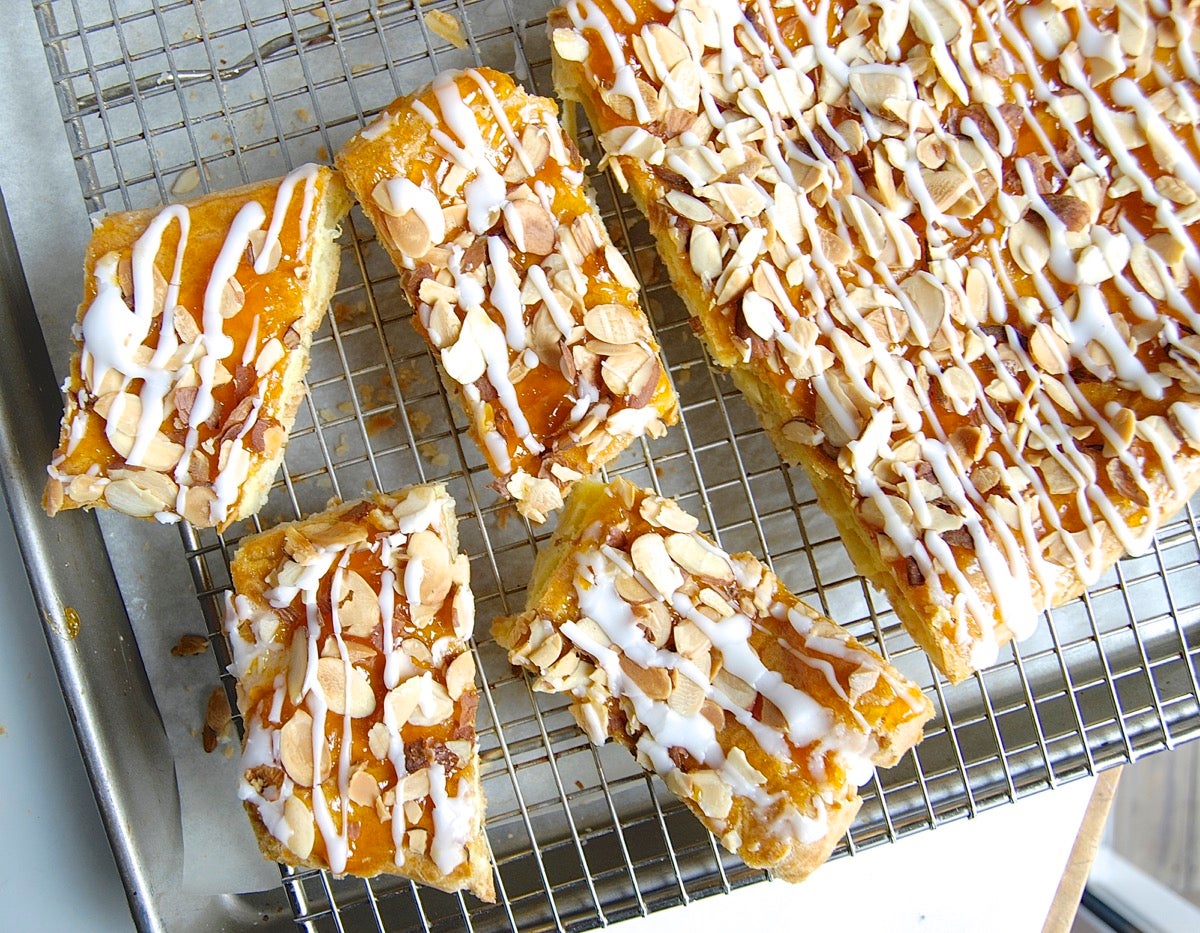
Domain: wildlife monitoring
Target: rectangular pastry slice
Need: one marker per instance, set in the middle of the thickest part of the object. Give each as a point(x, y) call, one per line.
point(947, 251)
point(357, 686)
point(761, 715)
point(193, 340)
point(532, 312)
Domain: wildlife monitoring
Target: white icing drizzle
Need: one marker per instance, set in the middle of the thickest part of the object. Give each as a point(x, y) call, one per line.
point(453, 820)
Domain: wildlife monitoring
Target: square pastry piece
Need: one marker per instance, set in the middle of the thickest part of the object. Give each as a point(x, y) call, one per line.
point(349, 635)
point(193, 340)
point(532, 312)
point(761, 715)
point(948, 251)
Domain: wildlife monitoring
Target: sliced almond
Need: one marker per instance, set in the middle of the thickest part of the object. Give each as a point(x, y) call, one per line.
point(436, 576)
point(331, 675)
point(1049, 350)
point(233, 298)
point(296, 750)
point(687, 696)
point(434, 708)
point(379, 741)
point(661, 512)
point(690, 641)
point(126, 496)
point(197, 506)
point(358, 605)
point(460, 675)
point(738, 692)
point(615, 324)
point(630, 590)
point(655, 618)
point(84, 489)
point(530, 227)
point(694, 557)
point(654, 682)
point(364, 789)
point(297, 666)
point(302, 829)
point(402, 700)
point(409, 233)
point(569, 45)
point(712, 794)
point(650, 557)
point(547, 651)
point(704, 253)
point(254, 249)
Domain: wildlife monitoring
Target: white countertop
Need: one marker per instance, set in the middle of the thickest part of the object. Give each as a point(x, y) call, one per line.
point(997, 872)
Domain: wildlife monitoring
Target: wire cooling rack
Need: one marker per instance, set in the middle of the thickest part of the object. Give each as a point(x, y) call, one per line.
point(161, 100)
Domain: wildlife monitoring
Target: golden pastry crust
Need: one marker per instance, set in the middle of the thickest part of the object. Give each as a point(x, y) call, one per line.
point(410, 788)
point(479, 198)
point(760, 714)
point(184, 411)
point(951, 267)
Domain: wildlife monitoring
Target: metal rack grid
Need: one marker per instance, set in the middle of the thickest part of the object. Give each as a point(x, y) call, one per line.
point(151, 90)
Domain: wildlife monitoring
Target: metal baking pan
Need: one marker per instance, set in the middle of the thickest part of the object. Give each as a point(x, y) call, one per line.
point(148, 93)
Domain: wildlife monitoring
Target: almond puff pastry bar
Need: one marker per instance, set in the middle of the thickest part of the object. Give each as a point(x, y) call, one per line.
point(357, 687)
point(947, 252)
point(193, 341)
point(533, 314)
point(760, 714)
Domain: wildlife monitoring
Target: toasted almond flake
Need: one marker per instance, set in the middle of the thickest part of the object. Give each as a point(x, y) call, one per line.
point(650, 557)
point(378, 740)
point(687, 696)
point(302, 830)
point(690, 553)
point(434, 709)
point(358, 605)
point(661, 512)
point(434, 555)
point(705, 253)
point(686, 206)
point(548, 651)
point(711, 794)
point(297, 666)
point(258, 242)
point(126, 496)
point(1049, 350)
point(296, 750)
point(655, 618)
point(615, 324)
point(233, 298)
point(460, 675)
point(690, 641)
point(363, 789)
point(403, 699)
point(197, 505)
point(186, 181)
point(409, 233)
point(654, 682)
point(447, 26)
point(331, 675)
point(736, 759)
point(570, 45)
point(735, 689)
point(530, 227)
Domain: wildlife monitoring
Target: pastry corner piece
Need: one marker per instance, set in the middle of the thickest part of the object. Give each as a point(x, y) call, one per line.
point(479, 197)
point(760, 714)
point(192, 344)
point(356, 683)
point(947, 250)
